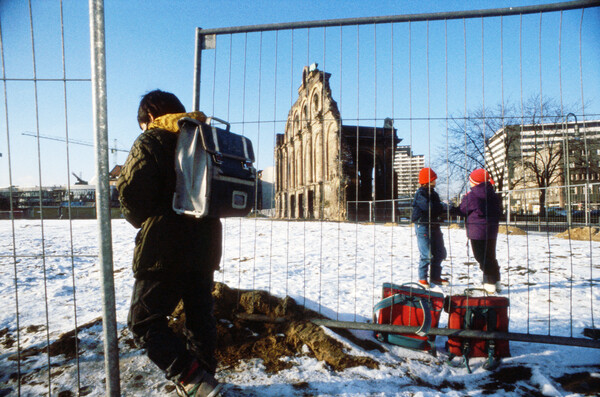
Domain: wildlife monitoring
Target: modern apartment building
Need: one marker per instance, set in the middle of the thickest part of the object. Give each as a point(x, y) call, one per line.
point(407, 167)
point(552, 164)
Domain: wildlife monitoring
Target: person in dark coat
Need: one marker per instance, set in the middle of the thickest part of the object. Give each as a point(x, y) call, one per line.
point(427, 210)
point(482, 210)
point(174, 257)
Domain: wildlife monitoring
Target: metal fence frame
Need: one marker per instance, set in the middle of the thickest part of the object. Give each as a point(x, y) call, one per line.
point(204, 38)
point(102, 199)
point(109, 315)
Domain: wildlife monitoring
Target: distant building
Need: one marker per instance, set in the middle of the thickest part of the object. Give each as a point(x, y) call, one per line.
point(53, 202)
point(323, 168)
point(114, 174)
point(530, 157)
point(407, 167)
point(266, 189)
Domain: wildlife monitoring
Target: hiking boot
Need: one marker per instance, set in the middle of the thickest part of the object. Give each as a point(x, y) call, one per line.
point(489, 288)
point(424, 283)
point(198, 383)
point(441, 281)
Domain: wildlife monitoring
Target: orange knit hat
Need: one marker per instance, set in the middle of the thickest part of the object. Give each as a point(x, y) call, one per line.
point(426, 175)
point(480, 175)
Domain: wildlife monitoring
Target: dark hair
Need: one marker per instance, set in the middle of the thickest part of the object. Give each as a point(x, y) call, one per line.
point(158, 103)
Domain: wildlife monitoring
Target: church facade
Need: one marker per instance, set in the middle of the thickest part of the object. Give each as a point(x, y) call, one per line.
point(327, 170)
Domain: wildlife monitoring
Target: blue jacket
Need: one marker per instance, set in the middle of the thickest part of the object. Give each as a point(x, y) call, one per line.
point(482, 209)
point(427, 207)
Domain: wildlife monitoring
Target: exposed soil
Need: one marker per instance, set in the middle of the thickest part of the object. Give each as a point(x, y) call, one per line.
point(66, 344)
point(581, 233)
point(581, 382)
point(502, 229)
point(254, 324)
point(512, 230)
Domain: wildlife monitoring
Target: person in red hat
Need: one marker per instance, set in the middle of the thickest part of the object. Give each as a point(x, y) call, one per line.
point(482, 210)
point(427, 210)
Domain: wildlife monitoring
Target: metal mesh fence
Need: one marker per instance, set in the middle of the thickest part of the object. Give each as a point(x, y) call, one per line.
point(333, 97)
point(46, 266)
point(328, 106)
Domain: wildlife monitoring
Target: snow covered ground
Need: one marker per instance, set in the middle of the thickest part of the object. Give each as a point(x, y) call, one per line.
point(334, 268)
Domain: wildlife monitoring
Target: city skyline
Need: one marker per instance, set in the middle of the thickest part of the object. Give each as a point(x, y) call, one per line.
point(420, 74)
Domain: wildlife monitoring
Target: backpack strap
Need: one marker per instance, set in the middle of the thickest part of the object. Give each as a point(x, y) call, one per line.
point(490, 316)
point(469, 321)
point(492, 324)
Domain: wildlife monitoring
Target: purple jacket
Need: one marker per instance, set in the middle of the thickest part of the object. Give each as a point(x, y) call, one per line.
point(482, 209)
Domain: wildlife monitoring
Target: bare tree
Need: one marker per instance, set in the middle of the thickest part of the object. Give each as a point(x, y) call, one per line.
point(538, 120)
point(468, 138)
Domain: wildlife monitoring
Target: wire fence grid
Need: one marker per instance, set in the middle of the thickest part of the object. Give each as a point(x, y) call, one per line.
point(426, 73)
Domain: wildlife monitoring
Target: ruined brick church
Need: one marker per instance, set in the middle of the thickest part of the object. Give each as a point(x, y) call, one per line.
point(327, 170)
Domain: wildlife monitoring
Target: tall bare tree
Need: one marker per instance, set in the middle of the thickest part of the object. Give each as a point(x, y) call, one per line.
point(469, 137)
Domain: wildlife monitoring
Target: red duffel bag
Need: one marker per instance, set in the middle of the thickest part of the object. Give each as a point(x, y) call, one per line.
point(412, 305)
point(484, 313)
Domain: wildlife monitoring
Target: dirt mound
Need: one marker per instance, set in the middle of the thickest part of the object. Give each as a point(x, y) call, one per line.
point(580, 382)
point(513, 230)
point(581, 233)
point(254, 324)
point(66, 344)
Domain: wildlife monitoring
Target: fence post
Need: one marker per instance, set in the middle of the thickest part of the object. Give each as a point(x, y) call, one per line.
point(197, 70)
point(109, 318)
point(508, 209)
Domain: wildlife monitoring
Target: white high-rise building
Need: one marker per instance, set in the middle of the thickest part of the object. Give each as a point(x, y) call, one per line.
point(525, 158)
point(407, 166)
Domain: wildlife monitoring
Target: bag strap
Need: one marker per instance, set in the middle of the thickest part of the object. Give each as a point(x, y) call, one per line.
point(412, 285)
point(489, 314)
point(411, 301)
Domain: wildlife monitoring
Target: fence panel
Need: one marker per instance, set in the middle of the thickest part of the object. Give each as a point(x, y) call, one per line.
point(44, 259)
point(326, 94)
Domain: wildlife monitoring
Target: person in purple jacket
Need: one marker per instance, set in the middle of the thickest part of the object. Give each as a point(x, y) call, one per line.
point(482, 210)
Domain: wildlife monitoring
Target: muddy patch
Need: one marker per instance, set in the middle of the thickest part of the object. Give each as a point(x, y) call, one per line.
point(255, 324)
point(585, 383)
point(581, 233)
point(512, 230)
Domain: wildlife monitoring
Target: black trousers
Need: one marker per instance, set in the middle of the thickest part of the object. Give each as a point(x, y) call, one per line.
point(484, 252)
point(154, 300)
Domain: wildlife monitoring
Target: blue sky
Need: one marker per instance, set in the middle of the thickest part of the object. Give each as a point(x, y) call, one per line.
point(150, 44)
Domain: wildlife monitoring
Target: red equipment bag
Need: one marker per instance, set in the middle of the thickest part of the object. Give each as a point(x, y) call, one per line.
point(485, 313)
point(411, 305)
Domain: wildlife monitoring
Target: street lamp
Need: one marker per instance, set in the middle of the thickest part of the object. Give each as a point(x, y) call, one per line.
point(567, 165)
point(587, 168)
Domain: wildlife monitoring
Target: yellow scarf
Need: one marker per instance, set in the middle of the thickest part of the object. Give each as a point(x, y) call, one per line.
point(168, 122)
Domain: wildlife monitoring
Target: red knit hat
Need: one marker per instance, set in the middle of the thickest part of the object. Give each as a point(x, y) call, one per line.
point(480, 175)
point(426, 175)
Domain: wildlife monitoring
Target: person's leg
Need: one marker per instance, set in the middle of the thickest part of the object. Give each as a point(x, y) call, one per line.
point(439, 253)
point(152, 301)
point(200, 324)
point(478, 247)
point(491, 268)
point(424, 244)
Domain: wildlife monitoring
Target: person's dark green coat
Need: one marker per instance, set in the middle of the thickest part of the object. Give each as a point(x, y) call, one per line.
point(167, 243)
